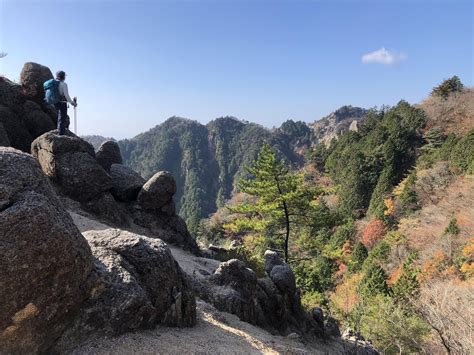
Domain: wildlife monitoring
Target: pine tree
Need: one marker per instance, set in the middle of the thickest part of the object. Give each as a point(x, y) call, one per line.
point(448, 87)
point(434, 139)
point(408, 199)
point(407, 286)
point(281, 204)
point(373, 283)
point(358, 257)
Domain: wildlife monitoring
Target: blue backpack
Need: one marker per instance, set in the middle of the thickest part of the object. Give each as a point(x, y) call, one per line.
point(51, 88)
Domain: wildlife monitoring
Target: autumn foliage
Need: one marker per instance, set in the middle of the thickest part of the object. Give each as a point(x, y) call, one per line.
point(467, 268)
point(374, 232)
point(346, 297)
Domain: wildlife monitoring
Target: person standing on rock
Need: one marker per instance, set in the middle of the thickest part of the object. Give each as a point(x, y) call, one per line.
point(61, 106)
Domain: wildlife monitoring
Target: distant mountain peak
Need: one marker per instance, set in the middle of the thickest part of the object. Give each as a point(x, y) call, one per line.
point(348, 112)
point(333, 125)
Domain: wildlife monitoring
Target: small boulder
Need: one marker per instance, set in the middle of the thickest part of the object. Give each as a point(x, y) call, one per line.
point(44, 260)
point(271, 259)
point(318, 314)
point(55, 144)
point(108, 154)
point(235, 274)
point(126, 183)
point(32, 77)
point(158, 191)
point(146, 263)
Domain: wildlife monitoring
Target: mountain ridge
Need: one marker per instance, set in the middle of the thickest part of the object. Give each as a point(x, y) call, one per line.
point(208, 160)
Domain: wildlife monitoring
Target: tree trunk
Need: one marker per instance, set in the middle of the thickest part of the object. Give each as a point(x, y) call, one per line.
point(287, 219)
point(287, 225)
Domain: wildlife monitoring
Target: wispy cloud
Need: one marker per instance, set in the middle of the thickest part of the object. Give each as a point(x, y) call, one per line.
point(383, 56)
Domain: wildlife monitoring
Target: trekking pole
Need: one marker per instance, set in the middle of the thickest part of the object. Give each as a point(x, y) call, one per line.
point(75, 116)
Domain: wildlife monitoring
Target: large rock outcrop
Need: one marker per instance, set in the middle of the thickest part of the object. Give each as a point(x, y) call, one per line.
point(336, 123)
point(235, 290)
point(32, 77)
point(55, 290)
point(137, 285)
point(70, 163)
point(271, 302)
point(44, 260)
point(23, 117)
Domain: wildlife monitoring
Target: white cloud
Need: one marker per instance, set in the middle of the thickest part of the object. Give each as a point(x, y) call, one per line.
point(383, 56)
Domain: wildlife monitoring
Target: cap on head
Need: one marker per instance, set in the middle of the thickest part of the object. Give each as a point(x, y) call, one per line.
point(60, 75)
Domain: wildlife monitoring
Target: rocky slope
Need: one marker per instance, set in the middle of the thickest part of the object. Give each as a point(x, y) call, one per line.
point(216, 331)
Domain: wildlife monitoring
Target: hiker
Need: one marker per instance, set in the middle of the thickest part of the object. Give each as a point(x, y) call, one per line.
point(57, 94)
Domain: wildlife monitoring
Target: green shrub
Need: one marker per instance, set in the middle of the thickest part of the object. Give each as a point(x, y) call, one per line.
point(391, 328)
point(315, 275)
point(312, 299)
point(452, 227)
point(462, 156)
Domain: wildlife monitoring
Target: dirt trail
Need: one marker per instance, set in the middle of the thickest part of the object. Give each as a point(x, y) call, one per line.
point(215, 332)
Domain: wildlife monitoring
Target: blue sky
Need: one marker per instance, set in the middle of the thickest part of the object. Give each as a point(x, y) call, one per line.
point(132, 64)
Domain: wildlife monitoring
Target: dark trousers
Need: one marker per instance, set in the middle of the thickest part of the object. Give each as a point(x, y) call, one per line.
point(63, 119)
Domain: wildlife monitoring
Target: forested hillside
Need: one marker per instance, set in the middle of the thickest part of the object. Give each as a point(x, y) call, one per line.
point(207, 160)
point(378, 226)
